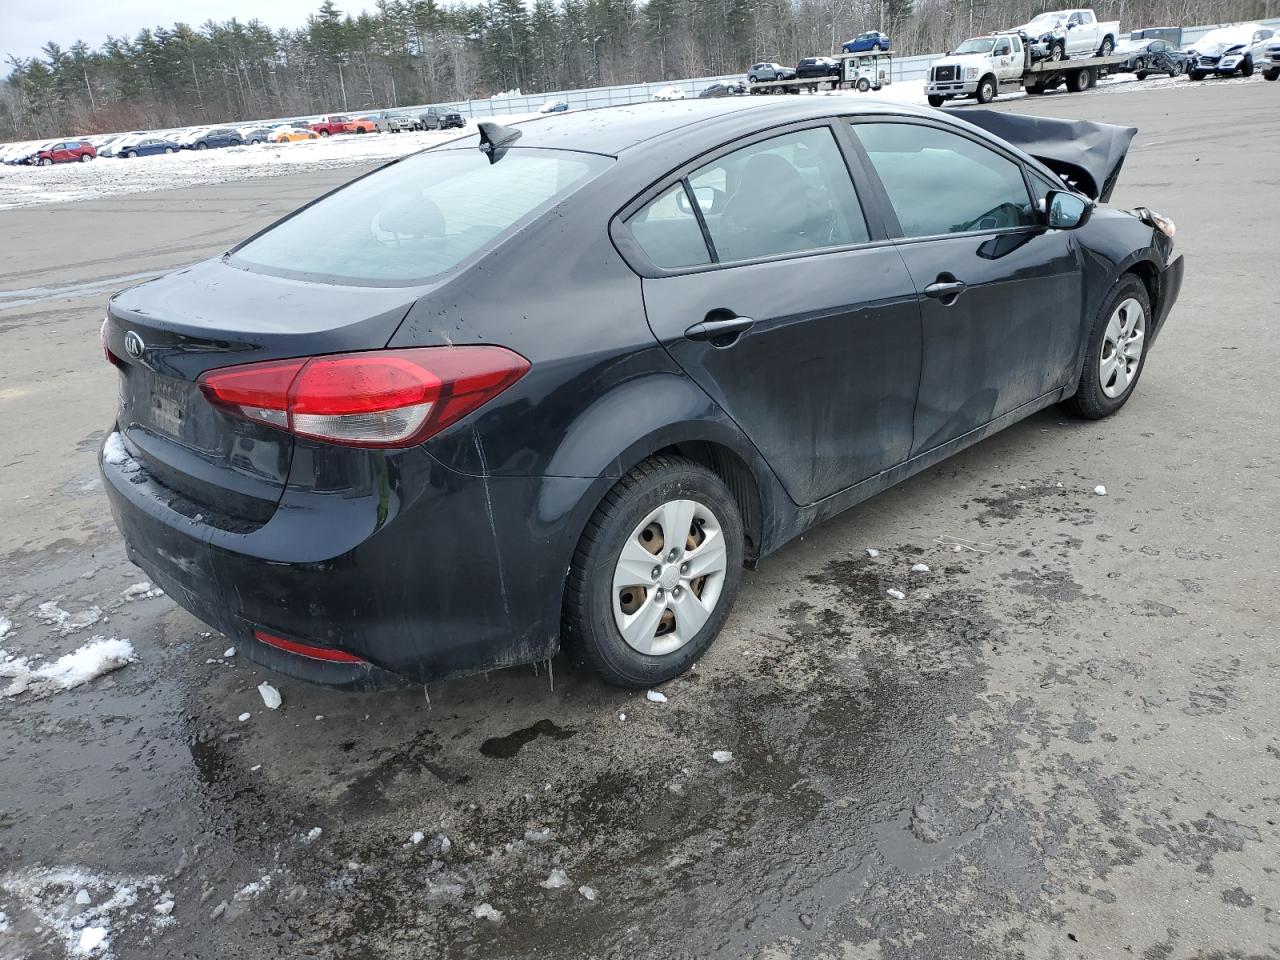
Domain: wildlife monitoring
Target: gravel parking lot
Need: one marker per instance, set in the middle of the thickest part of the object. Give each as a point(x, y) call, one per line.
point(1060, 744)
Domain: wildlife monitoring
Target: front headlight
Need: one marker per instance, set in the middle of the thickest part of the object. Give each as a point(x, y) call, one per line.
point(1157, 220)
point(971, 73)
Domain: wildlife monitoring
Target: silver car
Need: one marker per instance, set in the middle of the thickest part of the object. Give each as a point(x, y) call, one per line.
point(392, 122)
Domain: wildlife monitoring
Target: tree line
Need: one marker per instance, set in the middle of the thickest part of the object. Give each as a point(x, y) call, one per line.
point(407, 52)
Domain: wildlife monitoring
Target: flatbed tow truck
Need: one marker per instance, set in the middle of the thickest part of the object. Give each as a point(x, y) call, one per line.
point(985, 67)
point(865, 71)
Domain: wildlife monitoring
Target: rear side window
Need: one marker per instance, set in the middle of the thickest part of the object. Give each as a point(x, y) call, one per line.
point(417, 218)
point(941, 183)
point(788, 194)
point(667, 231)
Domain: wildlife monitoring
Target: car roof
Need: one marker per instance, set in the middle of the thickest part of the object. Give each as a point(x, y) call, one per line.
point(613, 130)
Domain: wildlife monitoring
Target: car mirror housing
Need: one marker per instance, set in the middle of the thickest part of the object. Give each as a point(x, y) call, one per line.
point(1067, 211)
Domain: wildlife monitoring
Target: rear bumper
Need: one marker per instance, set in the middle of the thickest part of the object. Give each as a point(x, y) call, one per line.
point(421, 571)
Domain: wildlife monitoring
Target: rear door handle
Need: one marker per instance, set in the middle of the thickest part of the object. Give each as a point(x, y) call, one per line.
point(942, 290)
point(721, 333)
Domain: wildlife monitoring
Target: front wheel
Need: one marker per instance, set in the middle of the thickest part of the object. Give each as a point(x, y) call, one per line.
point(324, 133)
point(1141, 75)
point(936, 101)
point(1196, 75)
point(1246, 67)
point(1058, 51)
point(1114, 355)
point(655, 573)
point(202, 146)
point(986, 90)
point(1271, 75)
point(130, 154)
point(863, 84)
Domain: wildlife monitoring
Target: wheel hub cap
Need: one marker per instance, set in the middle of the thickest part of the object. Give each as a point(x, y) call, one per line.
point(1122, 348)
point(668, 577)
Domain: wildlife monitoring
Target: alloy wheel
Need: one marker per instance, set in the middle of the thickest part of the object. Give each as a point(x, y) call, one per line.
point(668, 577)
point(1122, 348)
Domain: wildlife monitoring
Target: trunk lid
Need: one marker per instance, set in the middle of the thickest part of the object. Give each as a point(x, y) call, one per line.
point(169, 331)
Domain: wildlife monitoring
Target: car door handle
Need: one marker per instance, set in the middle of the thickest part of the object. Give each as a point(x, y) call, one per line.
point(721, 333)
point(946, 291)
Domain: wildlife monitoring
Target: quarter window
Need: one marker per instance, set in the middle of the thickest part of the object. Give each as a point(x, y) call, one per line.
point(942, 183)
point(667, 231)
point(788, 194)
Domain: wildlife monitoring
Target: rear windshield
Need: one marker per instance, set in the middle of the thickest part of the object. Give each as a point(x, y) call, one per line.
point(417, 218)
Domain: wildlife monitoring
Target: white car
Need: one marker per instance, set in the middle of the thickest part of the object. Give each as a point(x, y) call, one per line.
point(1270, 60)
point(1230, 50)
point(978, 68)
point(669, 93)
point(1067, 34)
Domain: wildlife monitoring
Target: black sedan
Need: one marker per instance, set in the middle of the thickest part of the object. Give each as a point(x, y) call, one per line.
point(1145, 57)
point(555, 384)
point(811, 68)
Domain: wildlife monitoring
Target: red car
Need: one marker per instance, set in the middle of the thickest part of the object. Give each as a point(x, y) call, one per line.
point(328, 126)
point(65, 151)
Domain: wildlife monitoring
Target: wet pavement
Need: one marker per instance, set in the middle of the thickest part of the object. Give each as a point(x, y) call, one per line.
point(1061, 743)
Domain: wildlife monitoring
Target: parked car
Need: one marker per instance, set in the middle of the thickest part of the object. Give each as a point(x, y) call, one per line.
point(441, 118)
point(1170, 35)
point(1067, 34)
point(669, 93)
point(25, 154)
point(555, 106)
point(390, 121)
point(871, 40)
point(331, 125)
point(119, 141)
point(1228, 51)
point(258, 134)
point(723, 90)
point(64, 151)
point(1270, 60)
point(212, 137)
point(361, 489)
point(1145, 57)
point(764, 72)
point(291, 134)
point(362, 125)
point(147, 146)
point(811, 68)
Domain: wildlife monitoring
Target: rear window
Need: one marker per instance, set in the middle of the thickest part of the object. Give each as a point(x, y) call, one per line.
point(418, 218)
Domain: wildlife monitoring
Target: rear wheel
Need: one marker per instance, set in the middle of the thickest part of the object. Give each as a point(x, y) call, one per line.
point(1115, 352)
point(986, 90)
point(1080, 81)
point(86, 157)
point(1141, 74)
point(1271, 74)
point(168, 149)
point(936, 101)
point(1107, 46)
point(655, 573)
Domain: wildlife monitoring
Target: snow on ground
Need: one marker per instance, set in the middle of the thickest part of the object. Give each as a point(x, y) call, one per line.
point(99, 656)
point(84, 909)
point(112, 176)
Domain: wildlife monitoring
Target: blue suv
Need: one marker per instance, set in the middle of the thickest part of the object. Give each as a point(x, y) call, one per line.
point(871, 40)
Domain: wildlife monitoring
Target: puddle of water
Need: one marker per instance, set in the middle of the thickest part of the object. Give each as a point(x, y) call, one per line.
point(504, 748)
point(25, 298)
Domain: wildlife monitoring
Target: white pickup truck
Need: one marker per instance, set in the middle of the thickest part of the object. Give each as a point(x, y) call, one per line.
point(1068, 34)
point(985, 67)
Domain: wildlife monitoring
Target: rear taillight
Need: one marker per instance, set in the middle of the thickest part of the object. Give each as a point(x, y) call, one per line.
point(382, 398)
point(106, 350)
point(312, 652)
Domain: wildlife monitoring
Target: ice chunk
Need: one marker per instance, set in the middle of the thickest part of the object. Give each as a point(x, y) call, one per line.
point(164, 908)
point(622, 716)
point(313, 834)
point(1100, 490)
point(65, 622)
point(722, 756)
point(5, 626)
point(896, 593)
point(91, 938)
point(555, 880)
point(486, 912)
point(255, 768)
point(270, 696)
point(872, 552)
point(114, 453)
point(83, 898)
point(141, 591)
point(445, 843)
point(919, 568)
point(229, 652)
point(245, 716)
point(97, 657)
point(417, 837)
point(588, 892)
point(540, 835)
point(653, 696)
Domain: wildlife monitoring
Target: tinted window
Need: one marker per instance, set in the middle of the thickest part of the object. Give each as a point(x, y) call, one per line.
point(784, 195)
point(1003, 49)
point(668, 232)
point(419, 217)
point(940, 182)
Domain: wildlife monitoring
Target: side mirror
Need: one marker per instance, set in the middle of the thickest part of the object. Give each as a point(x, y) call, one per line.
point(1067, 211)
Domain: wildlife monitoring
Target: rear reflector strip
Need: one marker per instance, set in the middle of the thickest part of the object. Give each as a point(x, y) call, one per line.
point(305, 649)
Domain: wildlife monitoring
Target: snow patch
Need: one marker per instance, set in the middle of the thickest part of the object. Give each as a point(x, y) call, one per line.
point(872, 552)
point(588, 892)
point(229, 652)
point(485, 911)
point(313, 835)
point(919, 568)
point(114, 453)
point(65, 623)
point(245, 716)
point(141, 591)
point(5, 626)
point(417, 837)
point(555, 880)
point(97, 657)
point(1100, 490)
point(722, 756)
point(539, 835)
point(653, 696)
point(270, 696)
point(896, 593)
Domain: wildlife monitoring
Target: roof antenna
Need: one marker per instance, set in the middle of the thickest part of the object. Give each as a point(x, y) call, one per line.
point(495, 138)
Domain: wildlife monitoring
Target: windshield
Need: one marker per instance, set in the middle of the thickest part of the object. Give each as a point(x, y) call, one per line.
point(978, 45)
point(417, 218)
point(1046, 19)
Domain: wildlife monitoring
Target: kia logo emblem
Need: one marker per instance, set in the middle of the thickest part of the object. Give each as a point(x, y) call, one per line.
point(133, 345)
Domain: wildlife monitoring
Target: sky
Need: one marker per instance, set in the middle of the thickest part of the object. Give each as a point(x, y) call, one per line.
point(26, 25)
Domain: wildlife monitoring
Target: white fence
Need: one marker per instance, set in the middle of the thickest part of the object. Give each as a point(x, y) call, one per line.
point(903, 68)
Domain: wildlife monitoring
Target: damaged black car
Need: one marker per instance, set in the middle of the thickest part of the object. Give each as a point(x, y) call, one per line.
point(555, 384)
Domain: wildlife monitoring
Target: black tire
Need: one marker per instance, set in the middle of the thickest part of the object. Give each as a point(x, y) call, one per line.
point(202, 146)
point(936, 101)
point(1058, 51)
point(863, 84)
point(1107, 46)
point(324, 133)
point(1196, 75)
point(589, 627)
point(1080, 80)
point(236, 143)
point(1089, 402)
point(1246, 67)
point(1141, 74)
point(131, 154)
point(1271, 75)
point(986, 91)
point(1035, 91)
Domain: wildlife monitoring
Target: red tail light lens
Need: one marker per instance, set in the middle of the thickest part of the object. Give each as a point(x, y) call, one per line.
point(327, 654)
point(383, 398)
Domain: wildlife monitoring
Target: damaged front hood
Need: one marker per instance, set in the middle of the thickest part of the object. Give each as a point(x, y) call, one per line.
point(1087, 154)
